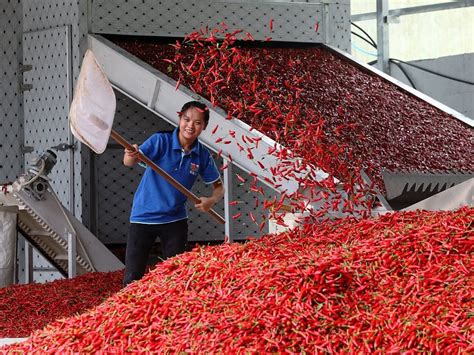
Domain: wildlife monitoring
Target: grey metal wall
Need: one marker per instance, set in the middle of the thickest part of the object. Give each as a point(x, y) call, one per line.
point(54, 33)
point(338, 24)
point(455, 94)
point(48, 15)
point(46, 103)
point(11, 111)
point(323, 22)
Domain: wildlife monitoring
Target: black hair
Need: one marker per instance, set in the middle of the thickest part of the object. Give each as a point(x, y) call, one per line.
point(199, 105)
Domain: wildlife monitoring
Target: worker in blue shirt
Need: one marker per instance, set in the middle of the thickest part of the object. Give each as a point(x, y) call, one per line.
point(159, 209)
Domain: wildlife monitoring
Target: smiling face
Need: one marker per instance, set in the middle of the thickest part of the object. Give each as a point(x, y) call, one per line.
point(191, 124)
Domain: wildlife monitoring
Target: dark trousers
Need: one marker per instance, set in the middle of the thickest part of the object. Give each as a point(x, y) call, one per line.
point(173, 237)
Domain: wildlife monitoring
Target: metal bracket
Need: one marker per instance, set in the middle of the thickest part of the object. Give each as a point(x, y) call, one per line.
point(25, 67)
point(26, 87)
point(26, 149)
point(154, 96)
point(61, 147)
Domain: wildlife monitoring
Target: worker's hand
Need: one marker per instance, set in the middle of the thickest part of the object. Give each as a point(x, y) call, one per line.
point(131, 157)
point(205, 205)
point(132, 153)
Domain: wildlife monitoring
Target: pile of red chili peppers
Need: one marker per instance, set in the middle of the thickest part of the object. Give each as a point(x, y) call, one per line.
point(397, 283)
point(400, 282)
point(25, 308)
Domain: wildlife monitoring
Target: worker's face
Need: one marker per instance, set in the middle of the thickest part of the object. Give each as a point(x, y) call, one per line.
point(191, 124)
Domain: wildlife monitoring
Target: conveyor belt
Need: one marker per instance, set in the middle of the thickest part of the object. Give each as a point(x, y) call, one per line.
point(151, 88)
point(393, 126)
point(157, 92)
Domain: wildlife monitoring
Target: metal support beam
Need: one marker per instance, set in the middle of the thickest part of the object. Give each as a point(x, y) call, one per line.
point(71, 140)
point(71, 255)
point(383, 52)
point(227, 199)
point(28, 262)
point(415, 10)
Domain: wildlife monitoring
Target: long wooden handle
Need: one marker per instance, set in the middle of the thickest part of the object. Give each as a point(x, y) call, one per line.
point(123, 142)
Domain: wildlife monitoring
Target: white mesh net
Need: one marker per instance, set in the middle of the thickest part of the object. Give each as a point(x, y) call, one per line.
point(93, 107)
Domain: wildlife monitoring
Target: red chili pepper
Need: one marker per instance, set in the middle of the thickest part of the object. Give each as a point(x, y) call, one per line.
point(324, 285)
point(249, 153)
point(237, 215)
point(316, 26)
point(241, 179)
point(252, 217)
point(275, 104)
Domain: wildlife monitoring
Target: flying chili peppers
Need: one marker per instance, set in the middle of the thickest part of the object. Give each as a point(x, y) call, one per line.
point(382, 127)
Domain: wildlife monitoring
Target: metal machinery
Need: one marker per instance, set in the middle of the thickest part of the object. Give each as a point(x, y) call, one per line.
point(98, 189)
point(50, 227)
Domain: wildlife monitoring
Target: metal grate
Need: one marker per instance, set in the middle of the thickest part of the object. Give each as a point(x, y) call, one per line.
point(43, 271)
point(11, 115)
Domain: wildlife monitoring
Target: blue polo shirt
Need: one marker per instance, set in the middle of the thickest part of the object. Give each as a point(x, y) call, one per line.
point(156, 201)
